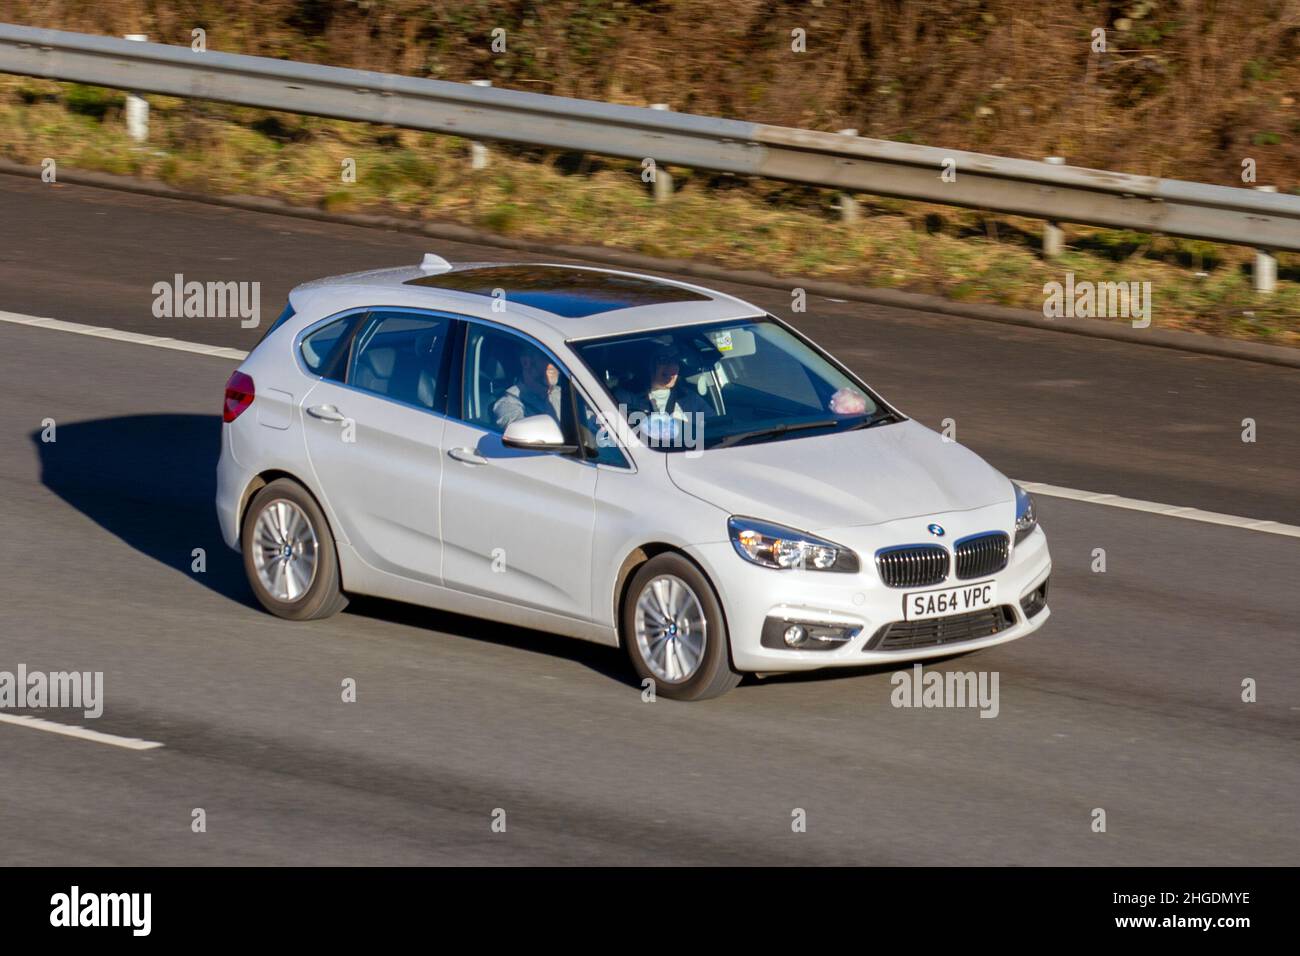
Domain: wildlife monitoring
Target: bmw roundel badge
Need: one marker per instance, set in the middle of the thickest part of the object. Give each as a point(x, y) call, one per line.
point(936, 530)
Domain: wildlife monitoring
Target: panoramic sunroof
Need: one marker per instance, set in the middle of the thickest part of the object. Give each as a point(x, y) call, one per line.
point(573, 293)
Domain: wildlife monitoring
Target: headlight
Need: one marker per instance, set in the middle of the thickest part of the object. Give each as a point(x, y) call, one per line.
point(1026, 518)
point(775, 546)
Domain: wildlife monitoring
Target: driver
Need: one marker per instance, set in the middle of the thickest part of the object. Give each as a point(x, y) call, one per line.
point(667, 393)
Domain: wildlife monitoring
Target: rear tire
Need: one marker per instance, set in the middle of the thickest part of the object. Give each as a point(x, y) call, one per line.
point(289, 554)
point(675, 632)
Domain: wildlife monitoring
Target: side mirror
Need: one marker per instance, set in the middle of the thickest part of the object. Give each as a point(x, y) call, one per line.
point(536, 433)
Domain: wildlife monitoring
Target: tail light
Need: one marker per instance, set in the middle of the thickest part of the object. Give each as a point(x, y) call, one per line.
point(239, 395)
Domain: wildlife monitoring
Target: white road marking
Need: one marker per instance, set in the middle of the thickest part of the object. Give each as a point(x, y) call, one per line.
point(1038, 488)
point(158, 341)
point(1155, 507)
point(81, 733)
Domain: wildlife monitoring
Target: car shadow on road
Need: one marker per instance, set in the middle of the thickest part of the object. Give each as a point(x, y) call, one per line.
point(151, 481)
point(607, 661)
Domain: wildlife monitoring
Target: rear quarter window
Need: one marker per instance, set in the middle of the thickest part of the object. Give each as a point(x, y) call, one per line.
point(323, 350)
point(285, 315)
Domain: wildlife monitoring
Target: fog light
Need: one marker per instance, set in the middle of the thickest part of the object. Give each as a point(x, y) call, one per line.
point(784, 630)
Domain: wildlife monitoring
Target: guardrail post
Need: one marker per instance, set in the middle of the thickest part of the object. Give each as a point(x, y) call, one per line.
point(1265, 261)
point(1053, 234)
point(478, 153)
point(663, 183)
point(848, 205)
point(137, 107)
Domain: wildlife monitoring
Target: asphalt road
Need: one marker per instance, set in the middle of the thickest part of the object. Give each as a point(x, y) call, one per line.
point(1129, 699)
point(1145, 423)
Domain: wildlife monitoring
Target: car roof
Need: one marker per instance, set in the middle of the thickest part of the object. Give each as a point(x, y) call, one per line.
point(577, 302)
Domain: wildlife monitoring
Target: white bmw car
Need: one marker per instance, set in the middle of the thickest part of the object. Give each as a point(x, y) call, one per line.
point(617, 458)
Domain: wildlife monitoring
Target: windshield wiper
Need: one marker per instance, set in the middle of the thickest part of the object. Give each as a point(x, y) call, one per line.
point(884, 418)
point(785, 427)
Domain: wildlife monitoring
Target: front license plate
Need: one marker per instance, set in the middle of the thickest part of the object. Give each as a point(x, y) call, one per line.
point(921, 605)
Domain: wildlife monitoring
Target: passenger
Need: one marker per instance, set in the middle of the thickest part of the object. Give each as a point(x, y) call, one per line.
point(536, 391)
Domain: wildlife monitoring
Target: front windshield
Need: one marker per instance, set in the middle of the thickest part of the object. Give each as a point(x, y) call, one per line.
point(726, 383)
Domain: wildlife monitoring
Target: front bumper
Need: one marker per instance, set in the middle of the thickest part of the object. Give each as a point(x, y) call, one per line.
point(860, 604)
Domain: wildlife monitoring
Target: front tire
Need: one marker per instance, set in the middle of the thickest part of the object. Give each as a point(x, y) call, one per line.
point(289, 554)
point(675, 632)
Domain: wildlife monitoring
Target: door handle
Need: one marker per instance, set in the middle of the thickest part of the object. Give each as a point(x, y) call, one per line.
point(467, 456)
point(326, 413)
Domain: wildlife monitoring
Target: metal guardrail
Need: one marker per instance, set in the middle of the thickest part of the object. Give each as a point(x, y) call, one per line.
point(1019, 187)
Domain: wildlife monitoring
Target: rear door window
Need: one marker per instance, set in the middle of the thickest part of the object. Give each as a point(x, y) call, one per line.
point(402, 356)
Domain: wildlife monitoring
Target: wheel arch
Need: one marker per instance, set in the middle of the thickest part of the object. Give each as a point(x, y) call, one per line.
point(260, 481)
point(641, 555)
